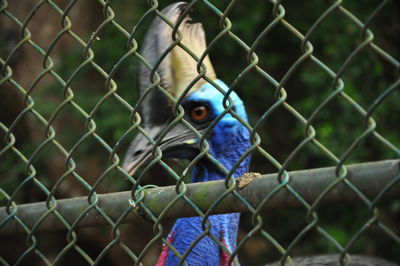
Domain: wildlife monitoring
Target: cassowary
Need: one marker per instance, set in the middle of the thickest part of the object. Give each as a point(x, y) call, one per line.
point(228, 139)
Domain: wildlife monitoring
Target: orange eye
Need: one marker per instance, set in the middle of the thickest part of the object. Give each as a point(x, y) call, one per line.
point(199, 113)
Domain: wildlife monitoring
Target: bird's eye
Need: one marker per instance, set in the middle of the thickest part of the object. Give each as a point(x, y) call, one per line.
point(199, 113)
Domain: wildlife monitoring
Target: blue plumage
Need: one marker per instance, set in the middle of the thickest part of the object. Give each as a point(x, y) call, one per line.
point(206, 252)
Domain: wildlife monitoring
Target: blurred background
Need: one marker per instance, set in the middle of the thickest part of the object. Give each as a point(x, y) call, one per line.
point(337, 125)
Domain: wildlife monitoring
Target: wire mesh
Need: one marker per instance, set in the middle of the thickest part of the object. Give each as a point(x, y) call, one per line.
point(69, 110)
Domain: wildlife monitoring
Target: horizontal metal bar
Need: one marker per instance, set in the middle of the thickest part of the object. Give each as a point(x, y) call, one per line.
point(369, 178)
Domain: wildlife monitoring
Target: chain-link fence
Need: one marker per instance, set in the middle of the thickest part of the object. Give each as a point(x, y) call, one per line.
point(319, 80)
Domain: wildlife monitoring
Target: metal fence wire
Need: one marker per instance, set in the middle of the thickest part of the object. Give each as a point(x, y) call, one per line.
point(319, 80)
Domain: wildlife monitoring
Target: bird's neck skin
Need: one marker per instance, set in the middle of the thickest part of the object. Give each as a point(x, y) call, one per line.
point(228, 154)
point(224, 227)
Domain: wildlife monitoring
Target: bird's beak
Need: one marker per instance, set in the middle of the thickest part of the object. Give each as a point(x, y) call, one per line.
point(179, 143)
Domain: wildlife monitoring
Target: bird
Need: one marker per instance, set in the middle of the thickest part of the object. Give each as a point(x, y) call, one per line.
point(203, 102)
point(228, 139)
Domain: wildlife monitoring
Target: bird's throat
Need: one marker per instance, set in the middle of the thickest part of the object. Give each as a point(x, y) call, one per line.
point(187, 234)
point(228, 154)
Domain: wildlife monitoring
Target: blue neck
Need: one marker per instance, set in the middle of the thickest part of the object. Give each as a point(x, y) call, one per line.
point(224, 226)
point(228, 142)
point(227, 155)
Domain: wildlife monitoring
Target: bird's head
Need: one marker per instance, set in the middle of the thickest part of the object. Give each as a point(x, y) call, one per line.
point(204, 104)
